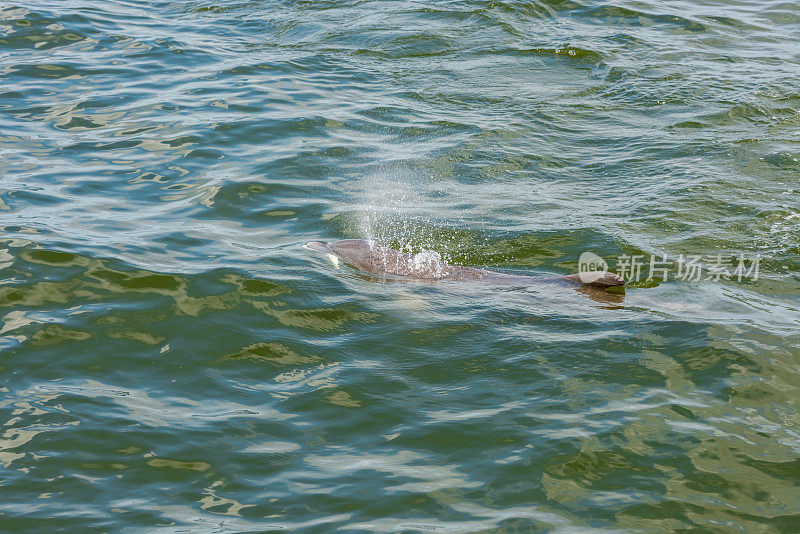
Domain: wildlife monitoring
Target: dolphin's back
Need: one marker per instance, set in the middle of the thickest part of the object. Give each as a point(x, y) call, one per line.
point(373, 258)
point(377, 259)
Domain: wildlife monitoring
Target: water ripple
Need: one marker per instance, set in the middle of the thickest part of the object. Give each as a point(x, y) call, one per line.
point(174, 359)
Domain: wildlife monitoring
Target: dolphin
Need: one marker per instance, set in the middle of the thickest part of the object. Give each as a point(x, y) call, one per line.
point(373, 258)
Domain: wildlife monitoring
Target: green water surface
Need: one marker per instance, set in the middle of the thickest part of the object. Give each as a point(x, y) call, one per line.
point(172, 359)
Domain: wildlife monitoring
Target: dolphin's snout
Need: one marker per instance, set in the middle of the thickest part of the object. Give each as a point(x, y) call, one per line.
point(319, 246)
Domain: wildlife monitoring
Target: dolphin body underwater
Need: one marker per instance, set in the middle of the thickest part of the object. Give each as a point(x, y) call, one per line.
point(376, 259)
